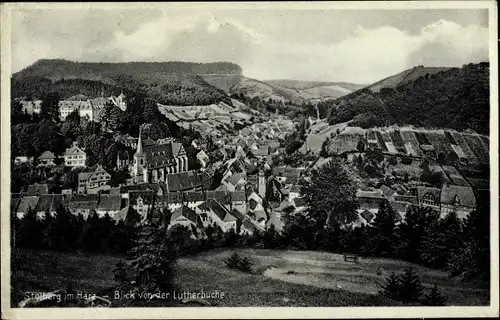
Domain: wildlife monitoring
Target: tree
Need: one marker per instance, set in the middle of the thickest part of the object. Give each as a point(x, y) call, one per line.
point(330, 195)
point(392, 288)
point(412, 231)
point(49, 109)
point(441, 240)
point(434, 298)
point(154, 260)
point(383, 234)
point(293, 146)
point(324, 148)
point(411, 287)
point(271, 240)
point(472, 259)
point(233, 261)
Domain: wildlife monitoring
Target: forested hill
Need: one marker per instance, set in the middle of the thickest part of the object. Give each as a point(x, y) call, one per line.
point(175, 83)
point(456, 98)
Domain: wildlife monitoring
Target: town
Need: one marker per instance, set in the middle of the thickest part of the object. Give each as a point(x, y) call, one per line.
point(246, 158)
point(249, 158)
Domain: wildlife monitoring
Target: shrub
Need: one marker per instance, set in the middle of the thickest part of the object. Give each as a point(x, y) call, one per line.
point(237, 262)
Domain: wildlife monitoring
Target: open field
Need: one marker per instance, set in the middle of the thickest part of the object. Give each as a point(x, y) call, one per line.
point(279, 278)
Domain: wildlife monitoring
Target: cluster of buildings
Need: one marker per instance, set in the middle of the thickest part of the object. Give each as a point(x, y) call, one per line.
point(90, 109)
point(450, 198)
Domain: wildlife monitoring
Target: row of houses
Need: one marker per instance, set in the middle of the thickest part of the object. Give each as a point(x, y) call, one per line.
point(222, 208)
point(450, 198)
point(91, 109)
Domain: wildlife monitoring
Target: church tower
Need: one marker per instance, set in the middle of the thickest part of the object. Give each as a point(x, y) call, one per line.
point(262, 184)
point(139, 171)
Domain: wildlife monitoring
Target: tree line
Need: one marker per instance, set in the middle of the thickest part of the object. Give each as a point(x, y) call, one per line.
point(457, 98)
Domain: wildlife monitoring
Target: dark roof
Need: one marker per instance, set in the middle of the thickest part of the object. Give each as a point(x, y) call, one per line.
point(406, 198)
point(84, 197)
point(286, 172)
point(223, 197)
point(109, 203)
point(44, 203)
point(220, 211)
point(26, 203)
point(238, 215)
point(174, 197)
point(159, 155)
point(183, 181)
point(295, 188)
point(187, 213)
point(367, 215)
point(238, 196)
point(464, 194)
point(14, 204)
point(37, 189)
point(194, 196)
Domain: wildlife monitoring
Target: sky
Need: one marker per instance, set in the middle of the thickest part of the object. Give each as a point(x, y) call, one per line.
point(358, 46)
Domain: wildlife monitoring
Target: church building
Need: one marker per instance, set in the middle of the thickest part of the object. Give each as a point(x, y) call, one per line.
point(153, 161)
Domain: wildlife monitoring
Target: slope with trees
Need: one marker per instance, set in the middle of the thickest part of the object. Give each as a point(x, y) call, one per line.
point(456, 98)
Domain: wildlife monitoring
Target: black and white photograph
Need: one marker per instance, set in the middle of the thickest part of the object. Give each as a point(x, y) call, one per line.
point(189, 157)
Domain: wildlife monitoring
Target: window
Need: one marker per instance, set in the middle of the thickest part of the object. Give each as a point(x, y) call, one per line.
point(456, 201)
point(429, 199)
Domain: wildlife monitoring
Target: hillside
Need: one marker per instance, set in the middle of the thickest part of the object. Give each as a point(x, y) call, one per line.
point(404, 77)
point(296, 91)
point(456, 98)
point(167, 82)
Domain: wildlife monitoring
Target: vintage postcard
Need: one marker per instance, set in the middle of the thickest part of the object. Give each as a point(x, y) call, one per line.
point(255, 160)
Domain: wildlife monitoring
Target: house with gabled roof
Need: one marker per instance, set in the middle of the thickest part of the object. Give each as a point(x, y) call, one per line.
point(83, 204)
point(429, 197)
point(26, 204)
point(108, 204)
point(219, 215)
point(46, 159)
point(235, 182)
point(186, 217)
point(459, 199)
point(74, 157)
point(94, 181)
point(48, 204)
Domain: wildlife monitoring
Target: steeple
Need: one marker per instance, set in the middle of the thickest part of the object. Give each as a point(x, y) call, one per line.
point(139, 143)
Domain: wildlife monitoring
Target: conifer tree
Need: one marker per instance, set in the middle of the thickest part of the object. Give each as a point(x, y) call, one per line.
point(383, 233)
point(233, 261)
point(434, 298)
point(154, 259)
point(411, 287)
point(391, 289)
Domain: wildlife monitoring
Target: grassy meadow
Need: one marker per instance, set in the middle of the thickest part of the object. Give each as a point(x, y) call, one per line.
point(279, 279)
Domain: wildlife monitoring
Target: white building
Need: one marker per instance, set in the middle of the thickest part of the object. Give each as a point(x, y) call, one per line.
point(74, 157)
